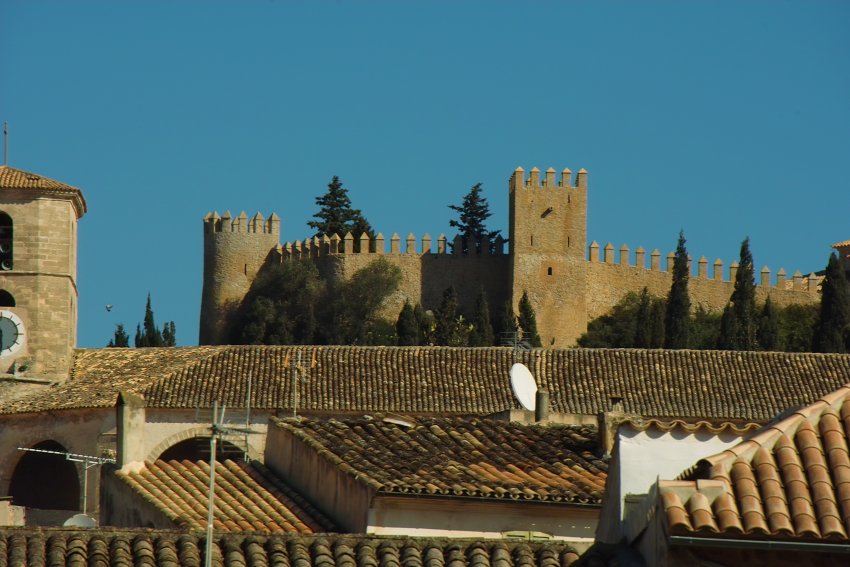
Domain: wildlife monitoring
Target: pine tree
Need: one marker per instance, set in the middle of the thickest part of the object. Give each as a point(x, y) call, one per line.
point(832, 330)
point(336, 216)
point(472, 228)
point(677, 316)
point(121, 339)
point(643, 321)
point(506, 325)
point(743, 322)
point(768, 327)
point(407, 327)
point(528, 322)
point(482, 329)
point(449, 326)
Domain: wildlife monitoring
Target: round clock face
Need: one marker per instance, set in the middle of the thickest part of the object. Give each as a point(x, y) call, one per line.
point(11, 332)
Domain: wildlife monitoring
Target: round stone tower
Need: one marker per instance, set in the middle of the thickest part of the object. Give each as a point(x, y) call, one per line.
point(235, 249)
point(38, 274)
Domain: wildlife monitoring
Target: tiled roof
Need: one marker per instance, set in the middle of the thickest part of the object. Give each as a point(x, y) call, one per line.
point(122, 548)
point(474, 458)
point(691, 426)
point(248, 497)
point(11, 178)
point(752, 386)
point(791, 480)
point(842, 243)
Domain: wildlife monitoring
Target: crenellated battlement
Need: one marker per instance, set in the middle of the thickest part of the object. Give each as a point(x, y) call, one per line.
point(226, 223)
point(637, 261)
point(337, 245)
point(548, 180)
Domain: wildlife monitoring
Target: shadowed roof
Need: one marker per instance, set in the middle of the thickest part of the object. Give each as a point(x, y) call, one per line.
point(476, 458)
point(28, 547)
point(248, 497)
point(791, 480)
point(11, 178)
point(753, 386)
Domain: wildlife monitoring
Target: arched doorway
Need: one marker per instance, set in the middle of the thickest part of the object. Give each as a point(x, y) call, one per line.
point(198, 449)
point(45, 481)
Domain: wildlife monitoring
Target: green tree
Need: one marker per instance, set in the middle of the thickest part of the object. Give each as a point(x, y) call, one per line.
point(615, 329)
point(407, 327)
point(506, 324)
point(336, 216)
point(528, 322)
point(121, 339)
point(643, 321)
point(471, 224)
point(797, 324)
point(738, 325)
point(169, 334)
point(482, 330)
point(425, 322)
point(280, 307)
point(148, 334)
point(832, 330)
point(450, 328)
point(677, 315)
point(768, 327)
point(656, 316)
point(352, 316)
point(705, 329)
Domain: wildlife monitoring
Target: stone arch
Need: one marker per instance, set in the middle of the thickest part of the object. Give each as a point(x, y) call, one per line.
point(45, 481)
point(6, 242)
point(185, 436)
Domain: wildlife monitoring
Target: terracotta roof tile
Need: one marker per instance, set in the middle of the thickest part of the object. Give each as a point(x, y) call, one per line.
point(249, 497)
point(11, 178)
point(713, 385)
point(791, 480)
point(29, 547)
point(437, 457)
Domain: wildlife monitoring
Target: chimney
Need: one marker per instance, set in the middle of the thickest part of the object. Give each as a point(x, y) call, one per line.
point(130, 421)
point(541, 406)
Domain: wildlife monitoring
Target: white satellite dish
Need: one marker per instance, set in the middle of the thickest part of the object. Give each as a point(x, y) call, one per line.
point(524, 386)
point(80, 521)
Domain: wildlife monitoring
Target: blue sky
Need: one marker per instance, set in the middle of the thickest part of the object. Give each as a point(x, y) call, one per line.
point(724, 119)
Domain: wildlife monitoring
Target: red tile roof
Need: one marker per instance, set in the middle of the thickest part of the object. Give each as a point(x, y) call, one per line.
point(751, 386)
point(122, 548)
point(474, 458)
point(791, 480)
point(248, 497)
point(11, 178)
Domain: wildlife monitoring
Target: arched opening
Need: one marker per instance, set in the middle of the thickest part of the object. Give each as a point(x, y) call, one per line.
point(6, 241)
point(46, 481)
point(198, 449)
point(6, 299)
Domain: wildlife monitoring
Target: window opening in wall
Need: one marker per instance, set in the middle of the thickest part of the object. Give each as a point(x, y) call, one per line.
point(6, 256)
point(532, 240)
point(549, 271)
point(568, 242)
point(246, 269)
point(6, 299)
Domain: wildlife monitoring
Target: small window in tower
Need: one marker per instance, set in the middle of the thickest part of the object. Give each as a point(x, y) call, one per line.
point(532, 240)
point(6, 299)
point(549, 271)
point(6, 256)
point(568, 242)
point(246, 269)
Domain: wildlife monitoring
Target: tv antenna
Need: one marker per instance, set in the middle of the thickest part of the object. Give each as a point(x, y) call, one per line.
point(88, 461)
point(524, 386)
point(5, 143)
point(218, 429)
point(297, 376)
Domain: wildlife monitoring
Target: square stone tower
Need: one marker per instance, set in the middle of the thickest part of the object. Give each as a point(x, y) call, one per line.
point(38, 274)
point(548, 239)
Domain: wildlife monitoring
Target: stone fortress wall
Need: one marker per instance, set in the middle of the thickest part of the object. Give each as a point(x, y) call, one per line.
point(568, 282)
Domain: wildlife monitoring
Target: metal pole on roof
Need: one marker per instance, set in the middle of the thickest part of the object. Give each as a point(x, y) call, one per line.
point(5, 143)
point(213, 435)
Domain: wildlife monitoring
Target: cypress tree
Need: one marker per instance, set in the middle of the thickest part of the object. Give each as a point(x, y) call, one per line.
point(120, 338)
point(449, 328)
point(506, 325)
point(743, 301)
point(643, 321)
point(677, 316)
point(471, 225)
point(728, 329)
point(482, 329)
point(406, 327)
point(832, 330)
point(169, 334)
point(768, 327)
point(149, 334)
point(528, 322)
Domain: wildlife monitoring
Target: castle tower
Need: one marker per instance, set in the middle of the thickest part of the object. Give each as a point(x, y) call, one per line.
point(38, 274)
point(548, 237)
point(235, 249)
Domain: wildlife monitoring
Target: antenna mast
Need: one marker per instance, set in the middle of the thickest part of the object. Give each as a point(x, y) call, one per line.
point(5, 143)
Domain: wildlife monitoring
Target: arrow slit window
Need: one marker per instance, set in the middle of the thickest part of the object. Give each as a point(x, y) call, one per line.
point(6, 256)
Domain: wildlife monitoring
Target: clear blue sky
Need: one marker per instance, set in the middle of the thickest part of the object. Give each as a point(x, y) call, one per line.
point(724, 119)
